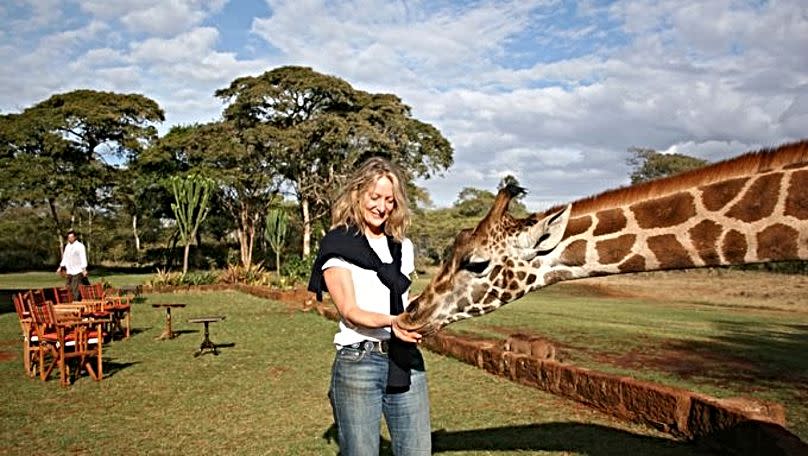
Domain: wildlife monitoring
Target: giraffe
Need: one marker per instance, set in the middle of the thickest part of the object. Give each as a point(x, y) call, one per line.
point(750, 209)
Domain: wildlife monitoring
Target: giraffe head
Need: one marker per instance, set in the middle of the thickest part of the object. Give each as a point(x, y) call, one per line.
point(489, 266)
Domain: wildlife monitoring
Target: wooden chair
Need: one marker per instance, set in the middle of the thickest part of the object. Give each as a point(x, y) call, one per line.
point(30, 341)
point(66, 337)
point(62, 295)
point(120, 307)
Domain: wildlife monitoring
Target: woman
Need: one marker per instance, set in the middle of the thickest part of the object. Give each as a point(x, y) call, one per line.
point(363, 263)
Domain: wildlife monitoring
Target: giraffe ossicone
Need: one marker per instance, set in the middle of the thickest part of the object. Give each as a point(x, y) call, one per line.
point(750, 209)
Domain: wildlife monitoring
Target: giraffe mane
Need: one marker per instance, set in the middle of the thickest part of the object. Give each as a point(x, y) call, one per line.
point(744, 165)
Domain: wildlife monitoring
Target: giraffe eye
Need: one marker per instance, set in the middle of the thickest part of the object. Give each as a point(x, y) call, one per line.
point(475, 266)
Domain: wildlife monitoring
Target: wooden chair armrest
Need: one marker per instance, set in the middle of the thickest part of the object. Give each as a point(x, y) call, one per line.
point(82, 322)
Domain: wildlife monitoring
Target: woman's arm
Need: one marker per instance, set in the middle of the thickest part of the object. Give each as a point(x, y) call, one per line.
point(340, 287)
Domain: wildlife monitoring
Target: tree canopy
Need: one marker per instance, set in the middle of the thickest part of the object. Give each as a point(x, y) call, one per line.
point(62, 150)
point(648, 164)
point(318, 128)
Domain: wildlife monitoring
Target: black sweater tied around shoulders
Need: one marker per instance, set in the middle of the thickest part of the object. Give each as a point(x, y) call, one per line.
point(352, 246)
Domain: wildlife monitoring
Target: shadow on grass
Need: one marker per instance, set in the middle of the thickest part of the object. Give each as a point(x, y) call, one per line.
point(180, 332)
point(589, 439)
point(111, 368)
point(762, 354)
point(137, 331)
point(6, 305)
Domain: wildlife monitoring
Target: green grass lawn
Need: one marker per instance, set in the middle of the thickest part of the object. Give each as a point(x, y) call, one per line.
point(266, 394)
point(43, 279)
point(722, 351)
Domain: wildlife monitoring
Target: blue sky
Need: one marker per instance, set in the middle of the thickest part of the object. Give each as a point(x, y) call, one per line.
point(552, 92)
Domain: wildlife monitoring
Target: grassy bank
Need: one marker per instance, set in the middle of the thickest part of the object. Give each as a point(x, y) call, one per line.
point(706, 344)
point(266, 394)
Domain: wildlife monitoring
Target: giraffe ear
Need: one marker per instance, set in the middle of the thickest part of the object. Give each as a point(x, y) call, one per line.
point(548, 232)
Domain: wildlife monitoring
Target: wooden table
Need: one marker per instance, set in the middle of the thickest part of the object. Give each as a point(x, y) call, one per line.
point(167, 333)
point(206, 343)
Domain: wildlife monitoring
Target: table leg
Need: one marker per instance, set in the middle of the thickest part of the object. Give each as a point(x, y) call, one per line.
point(168, 333)
point(207, 344)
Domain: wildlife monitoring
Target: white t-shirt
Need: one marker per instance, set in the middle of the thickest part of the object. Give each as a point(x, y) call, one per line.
point(370, 292)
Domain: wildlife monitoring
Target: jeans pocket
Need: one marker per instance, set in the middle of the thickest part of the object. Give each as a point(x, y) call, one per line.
point(351, 355)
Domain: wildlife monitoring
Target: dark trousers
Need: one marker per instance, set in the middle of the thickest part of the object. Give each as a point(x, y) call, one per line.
point(73, 282)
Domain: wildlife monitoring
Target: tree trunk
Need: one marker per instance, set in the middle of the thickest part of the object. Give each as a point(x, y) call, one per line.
point(245, 236)
point(304, 207)
point(56, 227)
point(134, 233)
point(88, 238)
point(185, 258)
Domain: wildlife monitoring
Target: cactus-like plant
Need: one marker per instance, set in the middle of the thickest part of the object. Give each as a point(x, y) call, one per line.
point(275, 233)
point(190, 206)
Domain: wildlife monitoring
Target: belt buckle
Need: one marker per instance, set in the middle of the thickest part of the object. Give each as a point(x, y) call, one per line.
point(384, 347)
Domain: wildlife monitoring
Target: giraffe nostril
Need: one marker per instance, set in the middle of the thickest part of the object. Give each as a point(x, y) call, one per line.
point(412, 307)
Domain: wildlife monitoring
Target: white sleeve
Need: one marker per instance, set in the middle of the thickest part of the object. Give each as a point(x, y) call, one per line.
point(83, 257)
point(336, 262)
point(407, 257)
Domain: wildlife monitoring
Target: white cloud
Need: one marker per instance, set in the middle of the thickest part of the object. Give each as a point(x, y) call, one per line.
point(155, 17)
point(188, 46)
point(551, 92)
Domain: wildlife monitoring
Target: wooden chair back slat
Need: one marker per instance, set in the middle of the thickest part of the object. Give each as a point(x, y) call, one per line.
point(92, 292)
point(62, 295)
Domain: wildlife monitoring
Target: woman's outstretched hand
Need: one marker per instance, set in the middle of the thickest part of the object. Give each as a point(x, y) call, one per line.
point(404, 334)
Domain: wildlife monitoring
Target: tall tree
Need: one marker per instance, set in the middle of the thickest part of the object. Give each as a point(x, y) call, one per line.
point(648, 164)
point(245, 175)
point(64, 150)
point(319, 128)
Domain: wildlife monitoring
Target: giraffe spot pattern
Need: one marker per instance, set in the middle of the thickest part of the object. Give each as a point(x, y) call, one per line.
point(669, 251)
point(478, 291)
point(556, 276)
point(609, 221)
point(575, 253)
point(577, 226)
point(734, 247)
point(634, 264)
point(664, 212)
point(716, 196)
point(531, 279)
point(613, 250)
point(757, 203)
point(778, 242)
point(704, 237)
point(494, 272)
point(797, 199)
point(520, 275)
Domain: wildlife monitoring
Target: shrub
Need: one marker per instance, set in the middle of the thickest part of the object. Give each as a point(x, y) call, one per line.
point(297, 270)
point(237, 273)
point(165, 278)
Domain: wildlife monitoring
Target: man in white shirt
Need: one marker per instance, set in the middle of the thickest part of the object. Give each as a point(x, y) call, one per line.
point(74, 264)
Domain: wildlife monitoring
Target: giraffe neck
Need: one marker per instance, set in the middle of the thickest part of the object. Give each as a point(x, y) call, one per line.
point(738, 212)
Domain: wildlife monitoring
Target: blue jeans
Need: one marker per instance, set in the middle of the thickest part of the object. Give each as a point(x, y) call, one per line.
point(358, 398)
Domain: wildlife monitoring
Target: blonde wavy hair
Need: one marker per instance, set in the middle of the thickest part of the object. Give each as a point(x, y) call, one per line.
point(347, 208)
